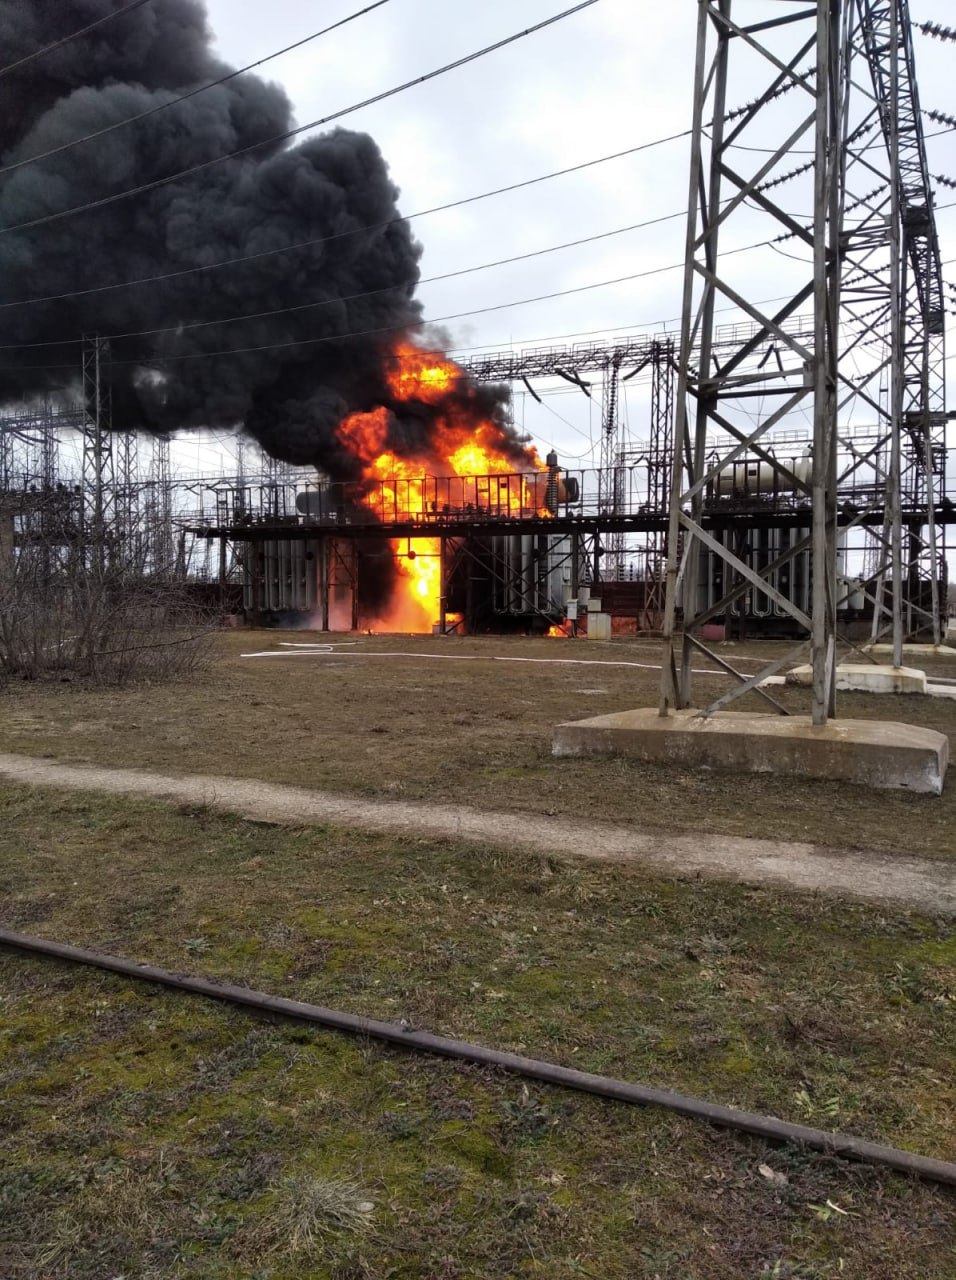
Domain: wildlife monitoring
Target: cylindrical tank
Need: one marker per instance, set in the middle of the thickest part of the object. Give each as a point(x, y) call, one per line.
point(748, 477)
point(850, 595)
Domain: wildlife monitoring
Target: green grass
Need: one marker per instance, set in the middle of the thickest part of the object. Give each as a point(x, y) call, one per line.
point(147, 1133)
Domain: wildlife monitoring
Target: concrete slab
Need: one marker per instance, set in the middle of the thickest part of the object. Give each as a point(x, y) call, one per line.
point(874, 753)
point(867, 677)
point(914, 652)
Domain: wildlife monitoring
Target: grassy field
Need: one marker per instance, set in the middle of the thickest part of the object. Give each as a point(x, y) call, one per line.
point(474, 731)
point(149, 1134)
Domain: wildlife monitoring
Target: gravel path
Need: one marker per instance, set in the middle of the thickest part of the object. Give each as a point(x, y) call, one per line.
point(915, 882)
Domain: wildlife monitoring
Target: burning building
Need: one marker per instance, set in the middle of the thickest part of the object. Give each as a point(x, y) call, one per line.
point(234, 278)
point(452, 488)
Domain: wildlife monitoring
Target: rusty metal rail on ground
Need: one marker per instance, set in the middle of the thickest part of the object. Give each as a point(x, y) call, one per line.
point(767, 1127)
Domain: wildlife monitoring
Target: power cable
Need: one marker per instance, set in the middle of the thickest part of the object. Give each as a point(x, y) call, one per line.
point(173, 102)
point(58, 44)
point(470, 270)
point(303, 128)
point(626, 329)
point(461, 315)
point(339, 235)
point(351, 297)
point(362, 333)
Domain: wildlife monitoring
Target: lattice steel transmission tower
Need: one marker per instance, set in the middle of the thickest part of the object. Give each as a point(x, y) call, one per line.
point(910, 550)
point(98, 479)
point(836, 92)
point(610, 434)
point(159, 520)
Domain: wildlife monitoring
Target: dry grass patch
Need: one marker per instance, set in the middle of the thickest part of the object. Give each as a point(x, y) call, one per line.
point(474, 732)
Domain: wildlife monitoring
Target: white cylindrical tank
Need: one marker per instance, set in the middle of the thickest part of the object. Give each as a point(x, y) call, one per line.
point(850, 594)
point(748, 477)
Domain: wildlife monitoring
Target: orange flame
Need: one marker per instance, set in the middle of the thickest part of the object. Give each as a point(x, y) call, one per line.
point(461, 443)
point(421, 375)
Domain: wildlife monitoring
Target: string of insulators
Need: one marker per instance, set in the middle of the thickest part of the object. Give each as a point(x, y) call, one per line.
point(855, 204)
point(777, 93)
point(785, 177)
point(936, 31)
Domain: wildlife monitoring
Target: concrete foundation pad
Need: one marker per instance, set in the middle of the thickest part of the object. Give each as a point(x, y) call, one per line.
point(867, 677)
point(874, 753)
point(915, 652)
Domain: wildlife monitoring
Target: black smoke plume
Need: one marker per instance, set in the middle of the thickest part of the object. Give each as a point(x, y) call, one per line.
point(289, 397)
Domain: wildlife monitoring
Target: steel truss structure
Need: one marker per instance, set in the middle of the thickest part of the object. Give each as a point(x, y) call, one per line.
point(99, 508)
point(914, 324)
point(107, 510)
point(837, 83)
point(608, 360)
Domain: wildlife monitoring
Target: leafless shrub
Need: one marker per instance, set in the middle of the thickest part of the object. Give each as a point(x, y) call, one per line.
point(101, 614)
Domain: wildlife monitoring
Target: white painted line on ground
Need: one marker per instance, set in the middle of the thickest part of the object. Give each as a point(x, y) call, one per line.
point(322, 646)
point(316, 644)
point(472, 657)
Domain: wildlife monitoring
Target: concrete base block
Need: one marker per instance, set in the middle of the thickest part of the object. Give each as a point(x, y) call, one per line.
point(915, 652)
point(866, 677)
point(874, 753)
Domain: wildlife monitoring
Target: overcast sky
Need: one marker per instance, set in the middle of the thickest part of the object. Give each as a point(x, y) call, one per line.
point(615, 75)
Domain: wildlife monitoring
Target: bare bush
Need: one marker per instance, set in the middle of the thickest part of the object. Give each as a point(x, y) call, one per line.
point(103, 617)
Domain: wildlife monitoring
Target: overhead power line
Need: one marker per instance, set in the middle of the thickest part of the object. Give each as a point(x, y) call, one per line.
point(165, 358)
point(340, 235)
point(158, 359)
point(304, 128)
point(184, 97)
point(447, 275)
point(74, 35)
point(351, 297)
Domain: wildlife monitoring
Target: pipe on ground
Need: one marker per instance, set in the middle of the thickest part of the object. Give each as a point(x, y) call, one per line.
point(940, 1171)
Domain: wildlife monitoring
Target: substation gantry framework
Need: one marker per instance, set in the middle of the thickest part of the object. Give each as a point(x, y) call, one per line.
point(99, 496)
point(123, 512)
point(634, 354)
point(836, 83)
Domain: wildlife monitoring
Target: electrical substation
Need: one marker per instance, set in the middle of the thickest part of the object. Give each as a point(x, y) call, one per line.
point(789, 481)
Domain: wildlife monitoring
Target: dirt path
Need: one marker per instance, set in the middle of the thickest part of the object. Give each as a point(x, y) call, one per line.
point(926, 885)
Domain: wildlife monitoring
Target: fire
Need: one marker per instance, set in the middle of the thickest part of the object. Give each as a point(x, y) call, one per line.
point(460, 442)
point(421, 375)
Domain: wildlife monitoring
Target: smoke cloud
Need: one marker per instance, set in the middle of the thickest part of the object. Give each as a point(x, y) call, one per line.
point(290, 398)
